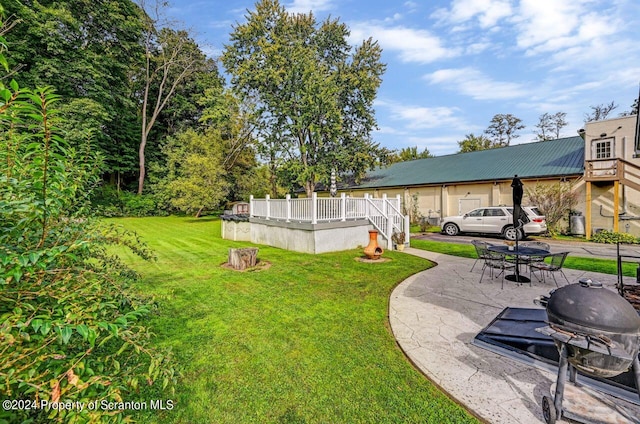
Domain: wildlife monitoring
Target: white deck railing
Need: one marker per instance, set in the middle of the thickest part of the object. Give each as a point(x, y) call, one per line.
point(383, 213)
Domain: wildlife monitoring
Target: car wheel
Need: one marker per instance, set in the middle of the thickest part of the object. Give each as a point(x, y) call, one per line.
point(510, 233)
point(450, 229)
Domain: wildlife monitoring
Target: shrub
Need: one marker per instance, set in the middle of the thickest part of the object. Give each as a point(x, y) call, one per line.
point(398, 237)
point(137, 205)
point(71, 328)
point(605, 236)
point(110, 203)
point(424, 224)
point(554, 201)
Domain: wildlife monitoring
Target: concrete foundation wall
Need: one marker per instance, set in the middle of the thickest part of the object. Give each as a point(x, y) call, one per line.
point(236, 230)
point(312, 238)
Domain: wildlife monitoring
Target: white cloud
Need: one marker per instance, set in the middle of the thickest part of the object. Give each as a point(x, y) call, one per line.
point(394, 18)
point(385, 129)
point(476, 48)
point(412, 45)
point(410, 6)
point(487, 12)
point(211, 51)
point(473, 83)
point(306, 6)
point(437, 145)
point(420, 117)
point(547, 26)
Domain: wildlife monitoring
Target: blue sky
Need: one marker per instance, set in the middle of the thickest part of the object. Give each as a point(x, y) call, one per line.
point(453, 65)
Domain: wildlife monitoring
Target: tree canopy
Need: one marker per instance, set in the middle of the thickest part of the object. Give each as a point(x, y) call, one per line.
point(600, 112)
point(408, 153)
point(88, 52)
point(311, 94)
point(471, 143)
point(503, 128)
point(549, 126)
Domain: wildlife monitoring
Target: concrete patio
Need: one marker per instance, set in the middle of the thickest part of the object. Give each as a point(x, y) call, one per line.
point(435, 316)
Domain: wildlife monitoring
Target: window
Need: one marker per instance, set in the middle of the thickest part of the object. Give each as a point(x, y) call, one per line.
point(603, 149)
point(494, 212)
point(476, 212)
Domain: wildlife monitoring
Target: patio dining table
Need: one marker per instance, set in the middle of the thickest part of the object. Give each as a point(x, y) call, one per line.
point(516, 252)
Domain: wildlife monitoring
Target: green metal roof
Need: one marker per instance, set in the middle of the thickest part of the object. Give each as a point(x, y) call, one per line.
point(553, 158)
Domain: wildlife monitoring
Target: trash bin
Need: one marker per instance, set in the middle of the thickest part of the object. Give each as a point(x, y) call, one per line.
point(576, 225)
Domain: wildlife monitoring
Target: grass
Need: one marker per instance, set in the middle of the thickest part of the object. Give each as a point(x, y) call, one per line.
point(416, 229)
point(605, 266)
point(304, 341)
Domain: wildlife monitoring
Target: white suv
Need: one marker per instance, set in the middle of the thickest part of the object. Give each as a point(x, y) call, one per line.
point(494, 220)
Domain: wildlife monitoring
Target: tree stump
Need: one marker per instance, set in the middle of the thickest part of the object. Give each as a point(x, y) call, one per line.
point(243, 258)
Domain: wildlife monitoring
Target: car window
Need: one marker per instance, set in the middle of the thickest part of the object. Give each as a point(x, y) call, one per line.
point(476, 212)
point(494, 212)
point(536, 211)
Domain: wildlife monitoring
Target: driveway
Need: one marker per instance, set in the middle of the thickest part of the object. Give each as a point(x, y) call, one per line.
point(575, 248)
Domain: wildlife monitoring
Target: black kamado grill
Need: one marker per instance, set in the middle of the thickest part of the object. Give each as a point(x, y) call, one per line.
point(596, 331)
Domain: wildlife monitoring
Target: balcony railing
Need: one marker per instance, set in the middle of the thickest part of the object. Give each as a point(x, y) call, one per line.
point(383, 213)
point(603, 169)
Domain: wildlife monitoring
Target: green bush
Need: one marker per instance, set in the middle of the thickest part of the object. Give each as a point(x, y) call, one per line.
point(110, 203)
point(71, 328)
point(138, 205)
point(605, 236)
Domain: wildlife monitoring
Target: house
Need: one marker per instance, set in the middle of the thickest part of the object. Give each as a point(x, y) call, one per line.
point(612, 175)
point(602, 164)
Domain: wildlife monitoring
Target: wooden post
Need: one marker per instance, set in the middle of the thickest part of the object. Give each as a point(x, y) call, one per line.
point(366, 206)
point(243, 258)
point(407, 229)
point(616, 206)
point(288, 199)
point(266, 199)
point(251, 205)
point(343, 207)
point(388, 213)
point(588, 211)
point(314, 208)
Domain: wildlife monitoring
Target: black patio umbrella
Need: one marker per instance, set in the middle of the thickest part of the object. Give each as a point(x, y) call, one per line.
point(519, 216)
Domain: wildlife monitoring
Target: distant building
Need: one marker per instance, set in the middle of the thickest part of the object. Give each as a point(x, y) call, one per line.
point(602, 164)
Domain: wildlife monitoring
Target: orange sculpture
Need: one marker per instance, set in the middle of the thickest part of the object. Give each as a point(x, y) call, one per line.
point(373, 250)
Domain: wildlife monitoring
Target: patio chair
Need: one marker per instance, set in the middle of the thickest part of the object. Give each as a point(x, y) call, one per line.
point(551, 264)
point(481, 251)
point(536, 244)
point(494, 261)
point(528, 259)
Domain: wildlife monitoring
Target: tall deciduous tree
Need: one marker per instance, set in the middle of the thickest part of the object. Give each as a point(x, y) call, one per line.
point(472, 143)
point(231, 118)
point(503, 128)
point(313, 95)
point(86, 50)
point(600, 112)
point(171, 58)
point(196, 176)
point(408, 153)
point(549, 126)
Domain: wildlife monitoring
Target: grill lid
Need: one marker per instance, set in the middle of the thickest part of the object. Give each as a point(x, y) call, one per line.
point(590, 305)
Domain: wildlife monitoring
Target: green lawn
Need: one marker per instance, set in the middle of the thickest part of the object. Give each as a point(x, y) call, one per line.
point(305, 341)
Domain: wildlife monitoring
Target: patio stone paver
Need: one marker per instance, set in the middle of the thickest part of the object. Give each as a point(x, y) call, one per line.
point(435, 316)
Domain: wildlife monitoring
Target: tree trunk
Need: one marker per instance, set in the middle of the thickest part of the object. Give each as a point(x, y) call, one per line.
point(243, 258)
point(309, 187)
point(143, 143)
